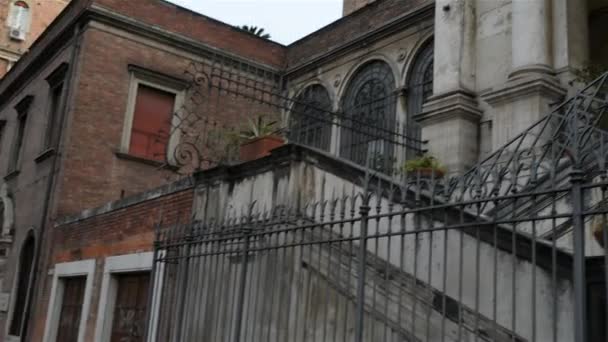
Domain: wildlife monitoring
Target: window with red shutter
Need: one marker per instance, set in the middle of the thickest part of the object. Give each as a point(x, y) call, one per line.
point(151, 127)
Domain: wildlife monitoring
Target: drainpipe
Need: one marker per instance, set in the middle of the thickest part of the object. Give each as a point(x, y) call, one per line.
point(32, 293)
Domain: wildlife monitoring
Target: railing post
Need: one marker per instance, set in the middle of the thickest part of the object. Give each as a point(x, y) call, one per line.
point(181, 322)
point(243, 281)
point(364, 211)
point(580, 283)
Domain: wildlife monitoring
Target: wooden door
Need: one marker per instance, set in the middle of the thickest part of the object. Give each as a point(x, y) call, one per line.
point(130, 310)
point(71, 309)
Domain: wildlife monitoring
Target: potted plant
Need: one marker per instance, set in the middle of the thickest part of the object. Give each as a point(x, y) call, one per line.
point(259, 139)
point(425, 166)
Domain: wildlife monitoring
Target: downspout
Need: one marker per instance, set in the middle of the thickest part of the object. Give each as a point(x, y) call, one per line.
point(67, 95)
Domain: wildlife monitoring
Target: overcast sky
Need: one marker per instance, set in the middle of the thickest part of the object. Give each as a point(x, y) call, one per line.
point(285, 20)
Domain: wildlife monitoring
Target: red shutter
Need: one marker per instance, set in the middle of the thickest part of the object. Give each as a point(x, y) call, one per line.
point(151, 123)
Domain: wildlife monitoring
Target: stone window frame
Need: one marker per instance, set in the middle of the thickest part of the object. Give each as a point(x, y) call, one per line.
point(16, 153)
point(55, 111)
point(117, 265)
point(68, 270)
point(140, 76)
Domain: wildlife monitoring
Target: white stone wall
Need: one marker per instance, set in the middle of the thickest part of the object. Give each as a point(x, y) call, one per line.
point(483, 278)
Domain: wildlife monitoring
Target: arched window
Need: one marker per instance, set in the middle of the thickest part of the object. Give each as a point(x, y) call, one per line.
point(369, 107)
point(19, 19)
point(310, 119)
point(419, 85)
point(21, 306)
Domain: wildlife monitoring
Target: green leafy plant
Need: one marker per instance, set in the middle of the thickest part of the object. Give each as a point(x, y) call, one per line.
point(259, 128)
point(423, 162)
point(257, 31)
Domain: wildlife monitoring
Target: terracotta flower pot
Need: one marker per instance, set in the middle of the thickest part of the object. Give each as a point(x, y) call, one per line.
point(259, 147)
point(429, 173)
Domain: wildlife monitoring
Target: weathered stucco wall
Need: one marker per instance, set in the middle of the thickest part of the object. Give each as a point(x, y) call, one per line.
point(467, 270)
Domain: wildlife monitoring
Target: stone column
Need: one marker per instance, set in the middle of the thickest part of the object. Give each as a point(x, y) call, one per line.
point(450, 118)
point(531, 87)
point(531, 37)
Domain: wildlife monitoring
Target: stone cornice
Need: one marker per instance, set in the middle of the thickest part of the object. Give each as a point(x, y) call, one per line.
point(543, 85)
point(425, 12)
point(106, 16)
point(458, 104)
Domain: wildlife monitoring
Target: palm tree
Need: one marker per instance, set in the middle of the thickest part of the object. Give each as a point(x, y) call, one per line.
point(258, 31)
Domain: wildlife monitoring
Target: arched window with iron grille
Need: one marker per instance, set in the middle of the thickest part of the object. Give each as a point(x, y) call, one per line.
point(420, 86)
point(369, 120)
point(310, 119)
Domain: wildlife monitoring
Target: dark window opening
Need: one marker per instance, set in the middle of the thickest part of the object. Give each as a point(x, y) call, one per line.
point(15, 158)
point(420, 87)
point(311, 119)
point(131, 307)
point(71, 309)
point(54, 117)
point(19, 320)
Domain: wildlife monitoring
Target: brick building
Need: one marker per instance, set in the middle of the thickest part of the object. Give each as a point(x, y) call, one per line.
point(72, 135)
point(88, 119)
point(22, 23)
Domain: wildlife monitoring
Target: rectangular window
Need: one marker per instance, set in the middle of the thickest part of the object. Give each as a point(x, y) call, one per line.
point(15, 160)
point(69, 302)
point(71, 309)
point(52, 129)
point(130, 308)
point(151, 125)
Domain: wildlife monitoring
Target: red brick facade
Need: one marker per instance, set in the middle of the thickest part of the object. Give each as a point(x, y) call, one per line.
point(126, 230)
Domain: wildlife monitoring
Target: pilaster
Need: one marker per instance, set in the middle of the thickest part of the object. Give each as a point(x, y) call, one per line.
point(450, 123)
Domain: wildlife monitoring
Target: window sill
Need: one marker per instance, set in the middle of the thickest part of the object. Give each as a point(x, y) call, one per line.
point(155, 163)
point(46, 154)
point(11, 175)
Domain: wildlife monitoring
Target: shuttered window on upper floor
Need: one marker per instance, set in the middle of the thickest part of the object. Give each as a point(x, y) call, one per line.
point(151, 126)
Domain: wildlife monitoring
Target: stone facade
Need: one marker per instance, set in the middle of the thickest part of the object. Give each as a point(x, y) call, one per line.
point(351, 6)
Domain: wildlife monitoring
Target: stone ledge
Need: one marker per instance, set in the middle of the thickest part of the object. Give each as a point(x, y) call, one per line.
point(539, 85)
point(453, 105)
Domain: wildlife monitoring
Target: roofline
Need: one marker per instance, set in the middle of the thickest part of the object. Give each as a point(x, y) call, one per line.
point(336, 22)
point(9, 84)
point(386, 29)
point(217, 21)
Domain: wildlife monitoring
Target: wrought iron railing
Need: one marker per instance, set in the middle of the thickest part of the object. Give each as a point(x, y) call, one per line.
point(222, 98)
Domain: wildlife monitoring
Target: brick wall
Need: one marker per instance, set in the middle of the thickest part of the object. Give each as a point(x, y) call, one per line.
point(123, 231)
point(374, 16)
point(92, 173)
point(200, 28)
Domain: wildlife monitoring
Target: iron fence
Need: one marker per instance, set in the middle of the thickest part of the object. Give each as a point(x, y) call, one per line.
point(224, 98)
point(387, 264)
point(511, 251)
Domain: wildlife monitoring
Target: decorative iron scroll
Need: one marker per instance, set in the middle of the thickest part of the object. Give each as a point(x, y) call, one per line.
point(223, 96)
